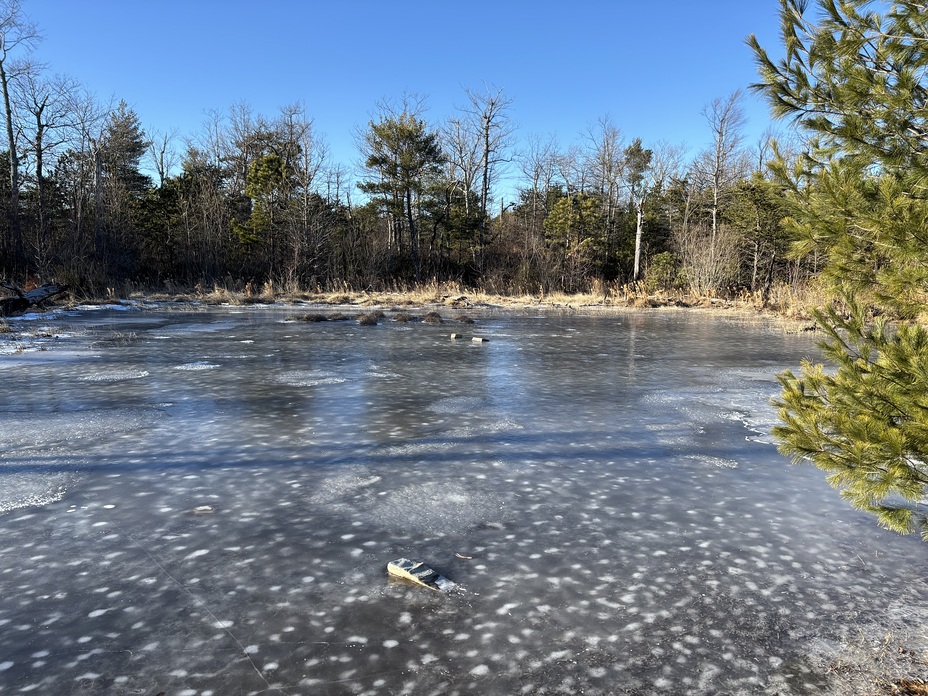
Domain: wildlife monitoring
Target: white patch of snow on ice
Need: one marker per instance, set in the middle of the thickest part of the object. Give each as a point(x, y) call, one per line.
point(114, 376)
point(457, 404)
point(308, 378)
point(31, 490)
point(719, 462)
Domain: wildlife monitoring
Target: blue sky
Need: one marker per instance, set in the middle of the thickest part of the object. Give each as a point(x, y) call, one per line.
point(651, 66)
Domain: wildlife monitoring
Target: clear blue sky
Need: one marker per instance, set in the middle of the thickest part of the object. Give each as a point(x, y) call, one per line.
point(650, 65)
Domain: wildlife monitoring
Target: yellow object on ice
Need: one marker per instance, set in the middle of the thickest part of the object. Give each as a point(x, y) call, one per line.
point(419, 573)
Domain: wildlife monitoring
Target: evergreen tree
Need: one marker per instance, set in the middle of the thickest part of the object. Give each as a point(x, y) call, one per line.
point(575, 234)
point(757, 209)
point(268, 186)
point(403, 155)
point(856, 82)
point(119, 190)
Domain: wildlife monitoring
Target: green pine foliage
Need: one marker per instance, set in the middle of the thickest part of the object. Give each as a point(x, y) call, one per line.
point(268, 185)
point(855, 81)
point(866, 421)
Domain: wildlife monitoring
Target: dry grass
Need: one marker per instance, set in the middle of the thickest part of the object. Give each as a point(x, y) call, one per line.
point(790, 301)
point(794, 302)
point(117, 338)
point(906, 687)
point(882, 657)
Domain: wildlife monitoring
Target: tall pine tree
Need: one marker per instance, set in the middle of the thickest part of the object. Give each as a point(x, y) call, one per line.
point(401, 155)
point(855, 80)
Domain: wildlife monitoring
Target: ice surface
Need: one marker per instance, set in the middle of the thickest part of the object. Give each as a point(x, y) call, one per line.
point(601, 487)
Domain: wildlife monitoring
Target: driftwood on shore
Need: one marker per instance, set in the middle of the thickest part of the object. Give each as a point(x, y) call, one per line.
point(12, 306)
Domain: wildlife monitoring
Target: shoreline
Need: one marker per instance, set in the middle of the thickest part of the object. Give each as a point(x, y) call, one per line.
point(33, 330)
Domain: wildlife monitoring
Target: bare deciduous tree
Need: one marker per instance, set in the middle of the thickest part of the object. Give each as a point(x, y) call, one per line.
point(489, 113)
point(49, 105)
point(461, 144)
point(538, 164)
point(605, 162)
point(724, 162)
point(17, 32)
point(162, 154)
point(706, 248)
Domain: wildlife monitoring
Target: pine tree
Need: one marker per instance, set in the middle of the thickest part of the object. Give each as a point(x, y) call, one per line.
point(855, 81)
point(402, 155)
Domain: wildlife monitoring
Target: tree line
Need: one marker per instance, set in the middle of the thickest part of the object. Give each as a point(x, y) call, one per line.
point(94, 200)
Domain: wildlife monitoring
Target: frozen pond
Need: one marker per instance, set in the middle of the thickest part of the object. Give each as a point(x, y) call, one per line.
point(204, 502)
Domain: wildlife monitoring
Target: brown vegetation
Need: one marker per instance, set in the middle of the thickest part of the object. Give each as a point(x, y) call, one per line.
point(907, 687)
point(790, 301)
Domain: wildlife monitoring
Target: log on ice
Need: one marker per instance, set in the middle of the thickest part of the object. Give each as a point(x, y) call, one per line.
point(11, 306)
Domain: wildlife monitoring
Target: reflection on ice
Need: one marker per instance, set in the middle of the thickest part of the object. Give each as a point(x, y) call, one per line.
point(600, 491)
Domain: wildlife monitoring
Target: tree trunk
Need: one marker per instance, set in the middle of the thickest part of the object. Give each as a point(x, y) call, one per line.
point(15, 229)
point(97, 198)
point(42, 241)
point(638, 229)
point(413, 234)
